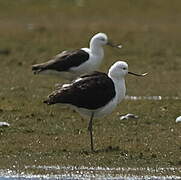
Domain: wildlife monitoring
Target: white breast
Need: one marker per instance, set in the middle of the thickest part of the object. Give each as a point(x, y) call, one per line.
point(90, 65)
point(109, 107)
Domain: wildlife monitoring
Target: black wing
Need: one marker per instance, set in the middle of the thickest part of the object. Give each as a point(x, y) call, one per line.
point(63, 61)
point(91, 92)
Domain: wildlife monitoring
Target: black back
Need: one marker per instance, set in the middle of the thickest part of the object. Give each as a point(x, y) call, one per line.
point(64, 61)
point(91, 92)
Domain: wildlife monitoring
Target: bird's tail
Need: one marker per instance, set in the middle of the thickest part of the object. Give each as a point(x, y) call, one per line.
point(48, 102)
point(51, 99)
point(37, 68)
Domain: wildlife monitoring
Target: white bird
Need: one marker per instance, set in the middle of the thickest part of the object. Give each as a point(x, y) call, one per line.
point(95, 94)
point(71, 64)
point(178, 119)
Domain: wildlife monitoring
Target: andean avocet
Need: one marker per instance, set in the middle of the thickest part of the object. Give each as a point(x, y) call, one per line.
point(95, 94)
point(71, 64)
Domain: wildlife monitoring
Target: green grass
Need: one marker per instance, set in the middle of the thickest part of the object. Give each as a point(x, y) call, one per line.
point(34, 31)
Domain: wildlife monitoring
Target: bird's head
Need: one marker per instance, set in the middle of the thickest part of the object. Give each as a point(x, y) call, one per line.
point(120, 69)
point(100, 38)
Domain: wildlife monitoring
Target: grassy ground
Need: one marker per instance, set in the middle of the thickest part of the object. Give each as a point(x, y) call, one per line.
point(33, 31)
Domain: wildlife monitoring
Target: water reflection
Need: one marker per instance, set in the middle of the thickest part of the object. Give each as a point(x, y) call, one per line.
point(73, 172)
point(156, 98)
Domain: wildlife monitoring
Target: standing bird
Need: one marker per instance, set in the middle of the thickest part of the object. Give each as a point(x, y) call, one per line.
point(95, 94)
point(71, 64)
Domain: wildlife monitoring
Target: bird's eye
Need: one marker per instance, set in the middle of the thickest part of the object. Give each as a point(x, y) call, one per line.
point(102, 39)
point(124, 68)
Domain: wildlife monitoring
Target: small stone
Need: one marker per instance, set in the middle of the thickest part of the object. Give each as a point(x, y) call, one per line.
point(128, 116)
point(141, 155)
point(153, 156)
point(178, 119)
point(4, 124)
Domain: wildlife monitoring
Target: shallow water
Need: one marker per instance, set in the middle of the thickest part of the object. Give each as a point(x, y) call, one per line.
point(156, 98)
point(72, 172)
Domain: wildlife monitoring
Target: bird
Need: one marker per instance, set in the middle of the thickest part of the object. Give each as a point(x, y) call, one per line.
point(95, 94)
point(72, 63)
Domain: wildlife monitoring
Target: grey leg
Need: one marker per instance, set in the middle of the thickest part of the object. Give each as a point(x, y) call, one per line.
point(90, 130)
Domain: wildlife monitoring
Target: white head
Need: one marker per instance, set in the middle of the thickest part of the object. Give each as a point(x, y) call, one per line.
point(118, 70)
point(99, 39)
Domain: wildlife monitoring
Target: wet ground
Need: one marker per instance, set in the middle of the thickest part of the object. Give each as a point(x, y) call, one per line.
point(58, 172)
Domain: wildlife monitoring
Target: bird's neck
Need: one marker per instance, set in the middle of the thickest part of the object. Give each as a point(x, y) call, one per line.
point(96, 49)
point(120, 88)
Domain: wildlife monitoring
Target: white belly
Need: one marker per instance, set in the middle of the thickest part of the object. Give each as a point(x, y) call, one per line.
point(109, 107)
point(100, 112)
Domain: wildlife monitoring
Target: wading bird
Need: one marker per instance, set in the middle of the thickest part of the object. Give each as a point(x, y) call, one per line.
point(71, 64)
point(95, 94)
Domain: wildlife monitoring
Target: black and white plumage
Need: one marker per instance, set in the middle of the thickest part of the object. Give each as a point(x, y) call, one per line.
point(71, 64)
point(63, 61)
point(94, 95)
point(84, 92)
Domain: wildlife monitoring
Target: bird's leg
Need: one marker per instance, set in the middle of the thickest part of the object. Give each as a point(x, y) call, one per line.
point(90, 130)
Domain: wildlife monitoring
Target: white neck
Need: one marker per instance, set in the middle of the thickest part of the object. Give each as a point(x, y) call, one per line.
point(96, 48)
point(120, 88)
